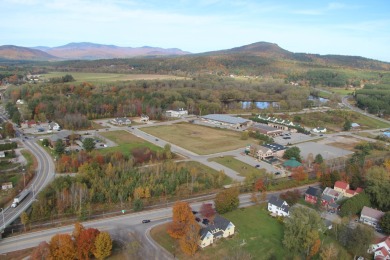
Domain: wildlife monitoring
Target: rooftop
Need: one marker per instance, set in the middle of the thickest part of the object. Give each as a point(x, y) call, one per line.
point(275, 147)
point(313, 191)
point(373, 213)
point(293, 163)
point(341, 184)
point(263, 127)
point(226, 118)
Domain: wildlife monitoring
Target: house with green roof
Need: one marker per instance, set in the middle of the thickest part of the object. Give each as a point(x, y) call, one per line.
point(292, 163)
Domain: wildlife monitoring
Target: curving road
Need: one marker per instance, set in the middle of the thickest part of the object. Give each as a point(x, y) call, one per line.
point(356, 109)
point(44, 174)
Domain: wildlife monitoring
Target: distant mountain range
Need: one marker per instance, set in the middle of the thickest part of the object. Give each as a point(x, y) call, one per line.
point(83, 51)
point(265, 55)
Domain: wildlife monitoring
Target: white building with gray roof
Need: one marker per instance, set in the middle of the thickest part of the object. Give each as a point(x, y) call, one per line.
point(227, 121)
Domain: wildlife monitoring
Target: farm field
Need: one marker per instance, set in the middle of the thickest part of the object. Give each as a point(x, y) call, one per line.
point(199, 139)
point(107, 77)
point(238, 166)
point(126, 142)
point(256, 233)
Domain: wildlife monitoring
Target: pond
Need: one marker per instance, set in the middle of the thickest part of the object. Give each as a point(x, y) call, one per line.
point(258, 104)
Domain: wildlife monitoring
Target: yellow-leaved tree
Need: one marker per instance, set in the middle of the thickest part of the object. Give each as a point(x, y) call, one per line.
point(189, 242)
point(103, 245)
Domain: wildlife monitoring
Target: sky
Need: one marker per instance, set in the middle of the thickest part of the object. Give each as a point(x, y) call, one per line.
point(354, 27)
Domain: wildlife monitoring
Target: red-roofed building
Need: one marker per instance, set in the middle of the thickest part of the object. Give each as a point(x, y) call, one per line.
point(343, 188)
point(381, 250)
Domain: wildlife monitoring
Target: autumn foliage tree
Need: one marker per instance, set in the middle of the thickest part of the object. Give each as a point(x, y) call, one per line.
point(259, 185)
point(182, 216)
point(62, 247)
point(207, 211)
point(103, 245)
point(42, 251)
point(78, 228)
point(299, 174)
point(291, 197)
point(315, 248)
point(86, 242)
point(189, 241)
point(227, 200)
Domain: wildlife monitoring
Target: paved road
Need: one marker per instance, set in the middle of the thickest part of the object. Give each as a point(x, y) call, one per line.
point(130, 222)
point(347, 104)
point(44, 174)
point(137, 131)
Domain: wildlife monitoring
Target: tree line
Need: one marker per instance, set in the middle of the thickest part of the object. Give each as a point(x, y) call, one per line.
point(83, 243)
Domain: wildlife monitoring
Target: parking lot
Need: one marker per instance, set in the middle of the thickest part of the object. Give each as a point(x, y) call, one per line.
point(293, 138)
point(327, 151)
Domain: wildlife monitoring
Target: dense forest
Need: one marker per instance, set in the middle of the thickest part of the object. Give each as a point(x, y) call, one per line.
point(112, 179)
point(73, 105)
point(374, 98)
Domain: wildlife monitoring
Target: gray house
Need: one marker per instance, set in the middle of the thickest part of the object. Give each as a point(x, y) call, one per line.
point(371, 216)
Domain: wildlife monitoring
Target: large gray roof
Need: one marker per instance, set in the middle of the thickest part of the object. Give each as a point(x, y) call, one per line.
point(218, 223)
point(226, 119)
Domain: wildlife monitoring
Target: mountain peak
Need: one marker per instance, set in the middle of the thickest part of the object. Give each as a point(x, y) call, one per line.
point(261, 47)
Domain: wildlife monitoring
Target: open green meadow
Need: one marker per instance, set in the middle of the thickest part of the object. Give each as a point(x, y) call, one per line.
point(238, 166)
point(126, 142)
point(334, 120)
point(257, 233)
point(199, 139)
point(107, 77)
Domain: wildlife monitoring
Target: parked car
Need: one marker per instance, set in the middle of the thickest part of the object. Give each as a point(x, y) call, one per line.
point(194, 212)
point(257, 165)
point(146, 221)
point(197, 219)
point(205, 221)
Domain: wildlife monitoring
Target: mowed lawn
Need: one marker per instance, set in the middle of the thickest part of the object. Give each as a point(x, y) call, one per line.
point(243, 168)
point(199, 139)
point(107, 77)
point(256, 233)
point(126, 142)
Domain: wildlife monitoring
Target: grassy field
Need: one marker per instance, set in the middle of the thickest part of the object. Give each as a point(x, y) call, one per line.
point(199, 139)
point(341, 91)
point(107, 77)
point(238, 166)
point(334, 120)
point(369, 122)
point(126, 142)
point(262, 235)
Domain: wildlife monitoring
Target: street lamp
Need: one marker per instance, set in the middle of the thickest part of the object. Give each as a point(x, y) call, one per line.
point(2, 211)
point(24, 178)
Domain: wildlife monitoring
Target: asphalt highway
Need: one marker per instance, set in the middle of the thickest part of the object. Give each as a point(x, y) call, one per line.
point(131, 222)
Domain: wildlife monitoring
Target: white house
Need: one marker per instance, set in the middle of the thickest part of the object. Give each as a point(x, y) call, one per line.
point(54, 126)
point(121, 121)
point(221, 227)
point(6, 186)
point(278, 207)
point(319, 130)
point(381, 250)
point(371, 216)
point(2, 154)
point(176, 113)
point(144, 118)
